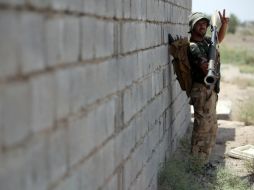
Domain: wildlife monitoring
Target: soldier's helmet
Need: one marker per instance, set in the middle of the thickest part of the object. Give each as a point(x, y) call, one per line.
point(195, 17)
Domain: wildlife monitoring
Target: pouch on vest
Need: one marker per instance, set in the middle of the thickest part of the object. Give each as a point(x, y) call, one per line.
point(179, 50)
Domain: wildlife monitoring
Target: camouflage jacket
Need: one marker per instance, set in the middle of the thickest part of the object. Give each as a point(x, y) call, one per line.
point(198, 54)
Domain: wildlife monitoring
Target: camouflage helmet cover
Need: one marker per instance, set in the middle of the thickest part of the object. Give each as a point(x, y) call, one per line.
point(195, 17)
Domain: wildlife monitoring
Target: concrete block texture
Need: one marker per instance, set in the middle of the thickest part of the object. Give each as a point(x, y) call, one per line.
point(90, 131)
point(32, 43)
point(97, 38)
point(15, 112)
point(13, 2)
point(43, 102)
point(8, 39)
point(88, 96)
point(62, 40)
point(71, 5)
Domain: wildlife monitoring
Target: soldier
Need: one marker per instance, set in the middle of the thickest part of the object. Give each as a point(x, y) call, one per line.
point(202, 98)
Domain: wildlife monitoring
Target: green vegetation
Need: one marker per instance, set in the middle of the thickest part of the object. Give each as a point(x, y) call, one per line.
point(243, 58)
point(246, 112)
point(234, 22)
point(181, 171)
point(249, 165)
point(175, 175)
point(185, 172)
point(227, 180)
point(237, 56)
point(237, 48)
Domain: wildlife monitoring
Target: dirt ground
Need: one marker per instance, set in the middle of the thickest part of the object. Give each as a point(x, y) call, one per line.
point(232, 133)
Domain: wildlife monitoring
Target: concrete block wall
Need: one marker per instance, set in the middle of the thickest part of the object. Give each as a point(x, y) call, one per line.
point(88, 98)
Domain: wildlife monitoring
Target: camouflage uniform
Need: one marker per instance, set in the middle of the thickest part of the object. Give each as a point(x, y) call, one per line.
point(204, 102)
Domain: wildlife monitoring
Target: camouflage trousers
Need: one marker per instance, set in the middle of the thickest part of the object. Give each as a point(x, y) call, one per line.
point(205, 121)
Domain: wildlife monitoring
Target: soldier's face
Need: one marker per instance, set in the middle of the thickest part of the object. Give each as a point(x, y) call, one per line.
point(200, 27)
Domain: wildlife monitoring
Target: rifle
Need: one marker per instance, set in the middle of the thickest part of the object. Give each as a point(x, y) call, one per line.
point(213, 74)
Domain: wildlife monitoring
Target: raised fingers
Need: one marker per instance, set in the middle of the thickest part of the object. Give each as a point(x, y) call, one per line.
point(220, 15)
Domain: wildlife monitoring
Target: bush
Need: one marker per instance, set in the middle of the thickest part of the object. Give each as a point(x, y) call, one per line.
point(234, 22)
point(249, 165)
point(175, 175)
point(246, 113)
point(226, 180)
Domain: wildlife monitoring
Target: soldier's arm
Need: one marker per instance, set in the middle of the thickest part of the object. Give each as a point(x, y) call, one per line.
point(224, 25)
point(198, 59)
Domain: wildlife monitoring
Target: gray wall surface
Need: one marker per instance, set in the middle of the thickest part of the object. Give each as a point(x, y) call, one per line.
point(88, 98)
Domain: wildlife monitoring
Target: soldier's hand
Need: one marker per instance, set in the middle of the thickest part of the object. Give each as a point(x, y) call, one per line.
point(223, 18)
point(204, 68)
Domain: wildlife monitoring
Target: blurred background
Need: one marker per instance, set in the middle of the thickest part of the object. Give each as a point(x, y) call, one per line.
point(237, 55)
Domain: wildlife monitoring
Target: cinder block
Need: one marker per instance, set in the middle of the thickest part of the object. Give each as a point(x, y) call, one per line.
point(8, 43)
point(124, 142)
point(112, 184)
point(141, 38)
point(150, 170)
point(72, 5)
point(100, 79)
point(128, 104)
point(99, 167)
point(62, 40)
point(141, 127)
point(133, 166)
point(88, 28)
point(143, 10)
point(114, 8)
point(147, 83)
point(63, 98)
point(40, 3)
point(76, 5)
point(151, 5)
point(146, 58)
point(136, 7)
point(157, 81)
point(37, 174)
point(136, 97)
point(104, 39)
point(77, 98)
point(97, 7)
point(71, 37)
point(80, 139)
point(71, 182)
point(126, 8)
point(15, 112)
point(54, 42)
point(138, 184)
point(161, 11)
point(32, 43)
point(25, 168)
point(90, 131)
point(129, 37)
point(43, 101)
point(59, 4)
point(149, 35)
point(118, 4)
point(57, 153)
point(13, 2)
point(128, 70)
point(89, 6)
point(13, 177)
point(97, 38)
point(163, 54)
